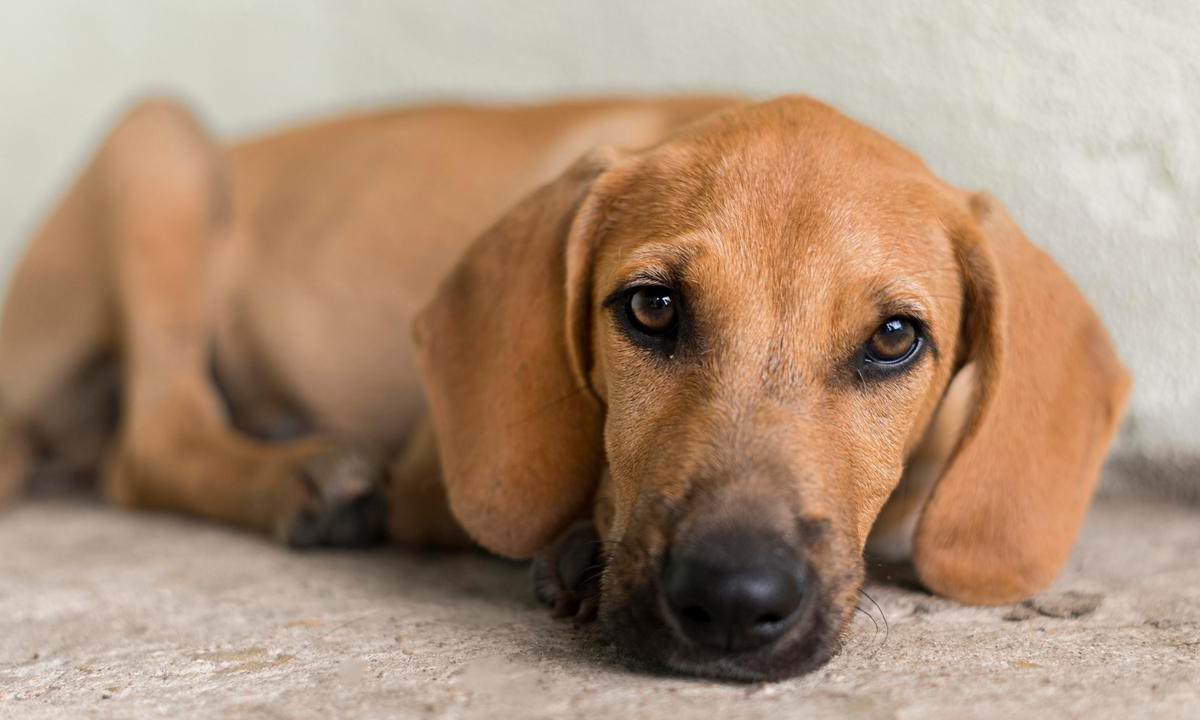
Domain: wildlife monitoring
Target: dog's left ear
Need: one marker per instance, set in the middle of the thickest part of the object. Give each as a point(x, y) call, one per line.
point(503, 352)
point(1049, 394)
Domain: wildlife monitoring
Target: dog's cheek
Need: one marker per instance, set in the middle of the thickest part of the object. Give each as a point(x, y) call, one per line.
point(895, 428)
point(836, 554)
point(633, 558)
point(604, 508)
point(647, 463)
point(873, 466)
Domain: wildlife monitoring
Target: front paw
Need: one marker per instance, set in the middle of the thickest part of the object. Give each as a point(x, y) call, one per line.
point(566, 575)
point(341, 502)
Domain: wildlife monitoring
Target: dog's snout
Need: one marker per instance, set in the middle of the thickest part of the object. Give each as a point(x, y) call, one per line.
point(736, 591)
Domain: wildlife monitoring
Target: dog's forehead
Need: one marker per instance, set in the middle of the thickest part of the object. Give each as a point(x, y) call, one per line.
point(786, 187)
point(799, 127)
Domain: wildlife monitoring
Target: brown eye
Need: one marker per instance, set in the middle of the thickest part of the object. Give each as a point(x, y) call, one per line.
point(894, 341)
point(652, 310)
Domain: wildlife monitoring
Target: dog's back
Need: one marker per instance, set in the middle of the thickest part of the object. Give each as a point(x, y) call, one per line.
point(325, 241)
point(346, 230)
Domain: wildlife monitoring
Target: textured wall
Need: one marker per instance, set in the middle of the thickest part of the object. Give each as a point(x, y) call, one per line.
point(1081, 116)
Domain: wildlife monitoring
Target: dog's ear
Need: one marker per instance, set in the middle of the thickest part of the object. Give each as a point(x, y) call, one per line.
point(1049, 393)
point(503, 351)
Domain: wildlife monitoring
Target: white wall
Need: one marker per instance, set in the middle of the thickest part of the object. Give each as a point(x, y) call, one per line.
point(1084, 117)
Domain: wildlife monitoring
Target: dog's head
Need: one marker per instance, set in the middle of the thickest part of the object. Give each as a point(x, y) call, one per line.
point(743, 333)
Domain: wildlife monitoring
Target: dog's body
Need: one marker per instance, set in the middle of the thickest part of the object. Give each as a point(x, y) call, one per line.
point(299, 262)
point(292, 268)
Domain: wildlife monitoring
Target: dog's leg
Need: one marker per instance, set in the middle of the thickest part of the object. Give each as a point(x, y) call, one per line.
point(178, 450)
point(56, 341)
point(152, 218)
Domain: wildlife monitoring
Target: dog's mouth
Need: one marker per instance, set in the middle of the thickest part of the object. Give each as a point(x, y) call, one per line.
point(646, 631)
point(737, 606)
point(733, 605)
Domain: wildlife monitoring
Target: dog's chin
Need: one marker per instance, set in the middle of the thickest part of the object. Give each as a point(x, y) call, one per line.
point(646, 637)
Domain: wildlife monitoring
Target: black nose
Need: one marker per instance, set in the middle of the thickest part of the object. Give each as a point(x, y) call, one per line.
point(734, 591)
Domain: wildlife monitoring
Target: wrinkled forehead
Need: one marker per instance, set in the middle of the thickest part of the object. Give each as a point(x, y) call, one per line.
point(820, 207)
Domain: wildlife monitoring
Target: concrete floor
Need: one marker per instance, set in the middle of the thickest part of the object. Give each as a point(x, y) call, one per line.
point(110, 614)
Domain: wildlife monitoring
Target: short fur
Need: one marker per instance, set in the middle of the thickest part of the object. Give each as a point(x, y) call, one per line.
point(234, 297)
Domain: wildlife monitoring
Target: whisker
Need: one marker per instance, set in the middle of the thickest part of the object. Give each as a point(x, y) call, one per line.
point(592, 568)
point(886, 625)
point(871, 618)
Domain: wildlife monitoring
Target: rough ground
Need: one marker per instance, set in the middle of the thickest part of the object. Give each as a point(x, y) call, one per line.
point(110, 614)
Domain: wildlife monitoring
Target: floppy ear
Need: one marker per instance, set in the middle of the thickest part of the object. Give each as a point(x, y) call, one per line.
point(503, 352)
point(1049, 394)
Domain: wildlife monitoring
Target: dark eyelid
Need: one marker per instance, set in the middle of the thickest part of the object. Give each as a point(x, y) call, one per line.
point(909, 311)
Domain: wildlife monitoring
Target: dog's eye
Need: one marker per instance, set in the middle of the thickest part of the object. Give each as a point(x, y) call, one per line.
point(652, 310)
point(894, 342)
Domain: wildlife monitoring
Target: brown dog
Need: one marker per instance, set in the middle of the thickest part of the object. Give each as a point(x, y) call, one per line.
point(728, 349)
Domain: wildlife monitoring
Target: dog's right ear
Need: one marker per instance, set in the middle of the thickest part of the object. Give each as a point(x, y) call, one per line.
point(503, 350)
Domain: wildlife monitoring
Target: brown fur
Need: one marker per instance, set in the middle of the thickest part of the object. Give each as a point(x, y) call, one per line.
point(295, 264)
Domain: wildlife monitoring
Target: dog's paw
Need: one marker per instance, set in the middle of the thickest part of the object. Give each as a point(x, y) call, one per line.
point(342, 502)
point(566, 575)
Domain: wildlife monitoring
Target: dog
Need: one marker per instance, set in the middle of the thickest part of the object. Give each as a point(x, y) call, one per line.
point(715, 347)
